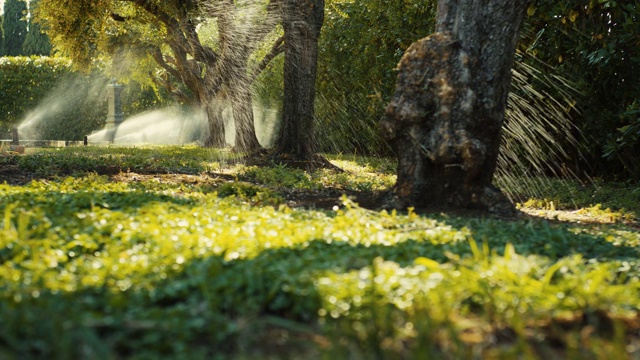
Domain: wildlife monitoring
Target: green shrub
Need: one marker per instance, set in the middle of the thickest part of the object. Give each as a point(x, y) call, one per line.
point(25, 80)
point(624, 145)
point(595, 45)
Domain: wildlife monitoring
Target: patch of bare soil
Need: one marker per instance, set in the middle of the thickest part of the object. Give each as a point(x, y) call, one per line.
point(267, 158)
point(13, 175)
point(328, 199)
point(325, 199)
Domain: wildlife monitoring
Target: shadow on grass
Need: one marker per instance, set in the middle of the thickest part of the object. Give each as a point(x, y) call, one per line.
point(264, 306)
point(60, 203)
point(78, 161)
point(573, 194)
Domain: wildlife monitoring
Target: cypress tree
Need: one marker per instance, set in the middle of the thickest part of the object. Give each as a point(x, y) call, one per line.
point(36, 42)
point(14, 26)
point(1, 36)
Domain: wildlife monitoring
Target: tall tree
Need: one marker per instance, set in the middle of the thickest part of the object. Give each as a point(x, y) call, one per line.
point(36, 42)
point(446, 115)
point(241, 28)
point(14, 26)
point(1, 35)
point(166, 32)
point(302, 22)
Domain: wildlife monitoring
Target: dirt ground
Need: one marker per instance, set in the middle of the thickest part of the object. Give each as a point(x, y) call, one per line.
point(325, 199)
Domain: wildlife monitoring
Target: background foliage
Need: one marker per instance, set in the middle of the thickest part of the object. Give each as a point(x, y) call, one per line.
point(2, 35)
point(361, 43)
point(595, 44)
point(592, 44)
point(36, 42)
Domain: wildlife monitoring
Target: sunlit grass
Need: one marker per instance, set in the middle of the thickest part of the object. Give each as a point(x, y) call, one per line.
point(194, 265)
point(608, 201)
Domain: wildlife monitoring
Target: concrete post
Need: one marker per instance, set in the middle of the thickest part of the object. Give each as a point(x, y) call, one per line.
point(115, 116)
point(15, 137)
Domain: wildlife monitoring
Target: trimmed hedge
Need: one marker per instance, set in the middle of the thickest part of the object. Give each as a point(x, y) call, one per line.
point(26, 80)
point(60, 102)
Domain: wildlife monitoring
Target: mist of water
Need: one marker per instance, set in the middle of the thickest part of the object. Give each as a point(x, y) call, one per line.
point(242, 33)
point(59, 105)
point(167, 126)
point(539, 138)
point(182, 125)
point(266, 121)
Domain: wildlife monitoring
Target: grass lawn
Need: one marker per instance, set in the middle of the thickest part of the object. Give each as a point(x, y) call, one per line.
point(188, 253)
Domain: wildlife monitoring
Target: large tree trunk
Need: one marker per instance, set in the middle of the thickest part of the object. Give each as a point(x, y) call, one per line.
point(216, 136)
point(246, 138)
point(242, 107)
point(302, 22)
point(446, 115)
point(233, 69)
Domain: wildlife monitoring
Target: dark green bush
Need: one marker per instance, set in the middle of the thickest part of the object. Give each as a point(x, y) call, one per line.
point(24, 81)
point(624, 145)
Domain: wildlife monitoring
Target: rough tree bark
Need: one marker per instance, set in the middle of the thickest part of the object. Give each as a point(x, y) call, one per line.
point(215, 137)
point(302, 21)
point(210, 74)
point(446, 115)
point(235, 50)
point(242, 107)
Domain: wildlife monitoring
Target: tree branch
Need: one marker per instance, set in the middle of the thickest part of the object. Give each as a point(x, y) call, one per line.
point(175, 93)
point(276, 49)
point(174, 31)
point(156, 53)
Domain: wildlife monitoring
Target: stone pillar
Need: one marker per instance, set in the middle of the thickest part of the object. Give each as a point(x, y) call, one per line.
point(15, 138)
point(115, 116)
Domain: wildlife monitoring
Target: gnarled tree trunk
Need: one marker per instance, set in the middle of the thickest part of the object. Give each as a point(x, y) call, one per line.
point(216, 135)
point(239, 89)
point(302, 21)
point(235, 50)
point(446, 115)
point(242, 106)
